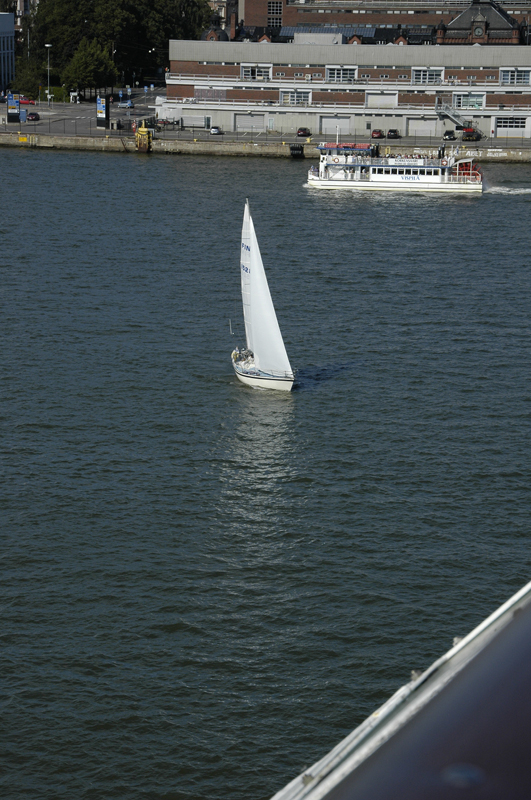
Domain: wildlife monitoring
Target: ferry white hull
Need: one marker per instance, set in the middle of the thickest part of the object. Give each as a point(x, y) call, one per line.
point(264, 382)
point(360, 167)
point(390, 186)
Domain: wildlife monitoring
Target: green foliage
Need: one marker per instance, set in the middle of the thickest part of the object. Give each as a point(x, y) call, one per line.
point(28, 77)
point(134, 34)
point(91, 67)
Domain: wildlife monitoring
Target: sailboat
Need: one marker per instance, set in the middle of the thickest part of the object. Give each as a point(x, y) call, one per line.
point(264, 362)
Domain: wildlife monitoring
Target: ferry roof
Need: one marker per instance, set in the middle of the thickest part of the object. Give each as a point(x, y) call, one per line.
point(463, 724)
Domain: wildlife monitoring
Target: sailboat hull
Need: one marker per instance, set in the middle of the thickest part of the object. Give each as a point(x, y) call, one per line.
point(264, 381)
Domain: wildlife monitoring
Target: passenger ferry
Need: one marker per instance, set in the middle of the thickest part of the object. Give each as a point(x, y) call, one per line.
point(360, 166)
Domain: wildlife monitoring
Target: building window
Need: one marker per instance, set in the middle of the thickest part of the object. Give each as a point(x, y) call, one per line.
point(256, 73)
point(403, 77)
point(280, 74)
point(510, 122)
point(469, 100)
point(514, 77)
point(384, 76)
point(298, 74)
point(274, 14)
point(365, 75)
point(317, 74)
point(341, 74)
point(427, 75)
point(295, 98)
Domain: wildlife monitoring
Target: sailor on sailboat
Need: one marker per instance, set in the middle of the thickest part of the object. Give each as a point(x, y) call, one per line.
point(264, 362)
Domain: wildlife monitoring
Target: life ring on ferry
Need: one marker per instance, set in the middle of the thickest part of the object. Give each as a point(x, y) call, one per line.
point(444, 162)
point(335, 160)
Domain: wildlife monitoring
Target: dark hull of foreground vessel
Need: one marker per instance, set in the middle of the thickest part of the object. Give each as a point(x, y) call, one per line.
point(463, 724)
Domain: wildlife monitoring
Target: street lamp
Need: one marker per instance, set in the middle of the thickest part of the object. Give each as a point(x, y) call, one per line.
point(48, 46)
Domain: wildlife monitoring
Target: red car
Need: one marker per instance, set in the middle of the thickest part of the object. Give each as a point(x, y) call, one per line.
point(378, 134)
point(25, 101)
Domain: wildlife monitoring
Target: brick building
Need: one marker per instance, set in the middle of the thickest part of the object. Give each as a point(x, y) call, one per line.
point(349, 88)
point(418, 15)
point(483, 23)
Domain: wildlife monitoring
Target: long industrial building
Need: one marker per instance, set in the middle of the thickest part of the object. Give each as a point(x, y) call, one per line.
point(350, 89)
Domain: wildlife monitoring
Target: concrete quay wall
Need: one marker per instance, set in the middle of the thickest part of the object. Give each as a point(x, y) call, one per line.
point(121, 144)
point(101, 143)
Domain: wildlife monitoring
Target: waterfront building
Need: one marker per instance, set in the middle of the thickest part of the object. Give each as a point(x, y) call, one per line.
point(7, 49)
point(349, 89)
point(414, 14)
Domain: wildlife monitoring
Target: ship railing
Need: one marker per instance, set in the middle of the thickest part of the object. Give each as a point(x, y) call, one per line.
point(473, 177)
point(398, 161)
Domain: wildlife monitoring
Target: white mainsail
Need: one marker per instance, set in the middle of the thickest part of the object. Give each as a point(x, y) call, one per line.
point(262, 331)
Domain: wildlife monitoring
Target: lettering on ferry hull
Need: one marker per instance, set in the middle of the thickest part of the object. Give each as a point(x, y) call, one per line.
point(409, 178)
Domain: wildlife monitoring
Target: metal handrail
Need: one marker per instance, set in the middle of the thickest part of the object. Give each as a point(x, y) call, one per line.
point(363, 4)
point(221, 80)
point(493, 107)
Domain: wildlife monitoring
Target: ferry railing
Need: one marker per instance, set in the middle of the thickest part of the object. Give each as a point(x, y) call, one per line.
point(473, 177)
point(401, 161)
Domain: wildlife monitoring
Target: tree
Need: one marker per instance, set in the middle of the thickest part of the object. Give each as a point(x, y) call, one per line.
point(28, 76)
point(134, 33)
point(90, 68)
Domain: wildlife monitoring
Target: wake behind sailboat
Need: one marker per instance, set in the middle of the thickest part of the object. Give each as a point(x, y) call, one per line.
point(264, 362)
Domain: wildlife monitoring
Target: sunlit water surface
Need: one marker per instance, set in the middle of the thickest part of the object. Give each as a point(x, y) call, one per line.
point(206, 586)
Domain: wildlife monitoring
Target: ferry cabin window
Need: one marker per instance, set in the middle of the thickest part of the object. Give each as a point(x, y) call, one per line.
point(394, 171)
point(380, 171)
point(429, 172)
point(400, 171)
point(414, 172)
point(387, 171)
point(408, 171)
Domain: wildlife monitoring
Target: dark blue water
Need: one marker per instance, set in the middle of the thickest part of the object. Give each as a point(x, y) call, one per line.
point(205, 586)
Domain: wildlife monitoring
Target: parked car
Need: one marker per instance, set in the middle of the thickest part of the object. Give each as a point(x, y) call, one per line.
point(449, 136)
point(471, 135)
point(304, 132)
point(32, 116)
point(25, 101)
point(126, 104)
point(215, 130)
point(393, 133)
point(378, 134)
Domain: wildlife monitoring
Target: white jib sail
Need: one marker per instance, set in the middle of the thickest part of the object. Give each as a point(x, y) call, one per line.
point(261, 325)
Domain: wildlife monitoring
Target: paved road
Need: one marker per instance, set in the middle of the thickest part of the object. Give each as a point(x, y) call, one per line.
point(80, 119)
